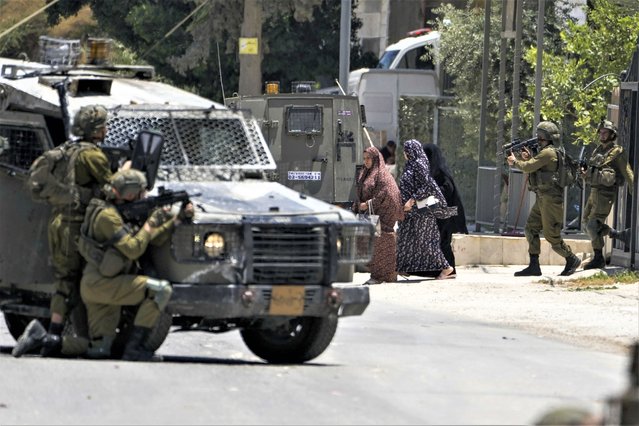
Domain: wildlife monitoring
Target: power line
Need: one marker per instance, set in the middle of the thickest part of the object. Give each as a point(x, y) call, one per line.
point(28, 18)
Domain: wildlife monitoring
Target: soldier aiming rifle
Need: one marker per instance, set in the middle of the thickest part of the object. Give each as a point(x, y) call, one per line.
point(547, 212)
point(518, 146)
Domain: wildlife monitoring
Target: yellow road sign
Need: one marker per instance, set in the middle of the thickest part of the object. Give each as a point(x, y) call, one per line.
point(248, 46)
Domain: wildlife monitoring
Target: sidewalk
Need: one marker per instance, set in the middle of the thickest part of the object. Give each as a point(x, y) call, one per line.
point(605, 319)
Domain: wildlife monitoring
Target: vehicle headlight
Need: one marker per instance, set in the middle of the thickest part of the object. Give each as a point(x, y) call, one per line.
point(214, 244)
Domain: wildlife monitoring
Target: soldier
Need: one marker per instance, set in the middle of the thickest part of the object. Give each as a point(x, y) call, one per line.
point(547, 212)
point(92, 170)
point(113, 282)
point(606, 170)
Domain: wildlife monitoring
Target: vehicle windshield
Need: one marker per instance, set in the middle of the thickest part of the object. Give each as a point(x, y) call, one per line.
point(387, 59)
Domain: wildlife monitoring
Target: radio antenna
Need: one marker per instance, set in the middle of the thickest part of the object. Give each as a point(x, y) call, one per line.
point(219, 66)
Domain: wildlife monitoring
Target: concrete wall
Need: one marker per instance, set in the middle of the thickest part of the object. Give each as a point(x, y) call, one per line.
point(485, 249)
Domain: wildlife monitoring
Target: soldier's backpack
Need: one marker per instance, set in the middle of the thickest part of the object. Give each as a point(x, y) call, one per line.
point(51, 177)
point(567, 169)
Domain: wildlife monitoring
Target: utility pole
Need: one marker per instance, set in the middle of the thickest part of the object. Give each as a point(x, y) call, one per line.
point(484, 112)
point(345, 44)
point(250, 50)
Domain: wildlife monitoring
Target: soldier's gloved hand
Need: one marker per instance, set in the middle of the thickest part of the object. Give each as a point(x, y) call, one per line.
point(187, 211)
point(158, 217)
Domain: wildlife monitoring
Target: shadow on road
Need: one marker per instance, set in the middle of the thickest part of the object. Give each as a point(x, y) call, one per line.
point(182, 359)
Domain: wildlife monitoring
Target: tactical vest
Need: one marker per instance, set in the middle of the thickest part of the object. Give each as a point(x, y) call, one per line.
point(52, 178)
point(601, 173)
point(543, 180)
point(103, 256)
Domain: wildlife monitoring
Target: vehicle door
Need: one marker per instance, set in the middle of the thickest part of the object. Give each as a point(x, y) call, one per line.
point(349, 148)
point(23, 223)
point(306, 134)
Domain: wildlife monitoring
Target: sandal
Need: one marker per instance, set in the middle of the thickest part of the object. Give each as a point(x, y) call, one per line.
point(446, 274)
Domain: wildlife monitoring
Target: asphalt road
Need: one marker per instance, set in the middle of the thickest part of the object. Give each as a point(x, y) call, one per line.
point(399, 363)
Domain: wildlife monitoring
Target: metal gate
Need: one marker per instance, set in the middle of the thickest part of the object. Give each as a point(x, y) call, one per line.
point(628, 137)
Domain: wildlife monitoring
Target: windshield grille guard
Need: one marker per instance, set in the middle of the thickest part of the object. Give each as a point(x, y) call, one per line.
point(216, 139)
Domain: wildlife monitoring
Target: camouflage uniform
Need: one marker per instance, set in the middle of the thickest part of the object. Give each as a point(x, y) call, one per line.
point(92, 170)
point(104, 293)
point(607, 170)
point(548, 210)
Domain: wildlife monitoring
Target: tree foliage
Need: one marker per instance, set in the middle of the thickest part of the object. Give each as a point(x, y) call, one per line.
point(189, 56)
point(461, 53)
point(24, 39)
point(574, 55)
point(578, 80)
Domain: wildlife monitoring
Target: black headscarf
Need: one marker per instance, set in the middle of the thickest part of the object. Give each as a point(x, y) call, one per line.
point(441, 173)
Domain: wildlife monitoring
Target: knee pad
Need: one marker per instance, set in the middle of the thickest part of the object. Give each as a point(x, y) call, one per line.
point(161, 291)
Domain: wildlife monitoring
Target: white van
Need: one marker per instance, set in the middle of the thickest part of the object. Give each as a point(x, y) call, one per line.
point(405, 69)
point(411, 53)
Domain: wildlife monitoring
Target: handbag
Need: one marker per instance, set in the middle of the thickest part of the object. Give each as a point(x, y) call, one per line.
point(431, 205)
point(371, 217)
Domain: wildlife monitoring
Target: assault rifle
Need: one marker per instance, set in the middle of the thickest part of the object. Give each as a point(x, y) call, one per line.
point(137, 212)
point(517, 145)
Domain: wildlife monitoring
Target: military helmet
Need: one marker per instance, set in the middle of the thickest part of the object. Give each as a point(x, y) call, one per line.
point(125, 183)
point(89, 120)
point(607, 124)
point(549, 131)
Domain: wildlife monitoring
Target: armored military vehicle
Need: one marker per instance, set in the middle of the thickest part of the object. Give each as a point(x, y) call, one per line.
point(316, 139)
point(258, 257)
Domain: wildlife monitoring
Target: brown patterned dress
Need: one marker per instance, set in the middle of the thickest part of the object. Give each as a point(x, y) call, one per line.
point(377, 185)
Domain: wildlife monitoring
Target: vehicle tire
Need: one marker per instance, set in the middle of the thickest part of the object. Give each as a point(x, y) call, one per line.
point(17, 323)
point(299, 340)
point(153, 342)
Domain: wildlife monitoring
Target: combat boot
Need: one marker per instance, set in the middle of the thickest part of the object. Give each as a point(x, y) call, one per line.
point(572, 263)
point(533, 269)
point(135, 349)
point(597, 262)
point(34, 337)
point(621, 235)
point(51, 349)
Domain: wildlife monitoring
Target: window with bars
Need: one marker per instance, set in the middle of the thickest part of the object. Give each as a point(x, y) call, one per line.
point(19, 147)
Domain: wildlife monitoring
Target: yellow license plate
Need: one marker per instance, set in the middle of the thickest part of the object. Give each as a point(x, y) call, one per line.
point(287, 300)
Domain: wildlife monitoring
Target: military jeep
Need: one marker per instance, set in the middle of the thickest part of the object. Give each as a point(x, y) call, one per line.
point(258, 257)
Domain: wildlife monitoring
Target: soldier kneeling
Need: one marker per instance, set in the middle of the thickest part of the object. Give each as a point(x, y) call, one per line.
point(109, 281)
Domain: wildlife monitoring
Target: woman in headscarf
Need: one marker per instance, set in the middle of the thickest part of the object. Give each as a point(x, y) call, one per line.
point(376, 189)
point(418, 238)
point(456, 224)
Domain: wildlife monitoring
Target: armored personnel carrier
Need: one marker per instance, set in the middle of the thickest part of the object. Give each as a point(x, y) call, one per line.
point(316, 139)
point(258, 257)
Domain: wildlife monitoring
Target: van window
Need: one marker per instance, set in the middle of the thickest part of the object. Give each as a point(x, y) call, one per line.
point(419, 58)
point(387, 59)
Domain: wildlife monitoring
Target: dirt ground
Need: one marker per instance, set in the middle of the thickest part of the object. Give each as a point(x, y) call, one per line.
point(604, 319)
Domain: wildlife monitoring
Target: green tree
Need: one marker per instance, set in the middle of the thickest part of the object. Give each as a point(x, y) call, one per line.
point(578, 81)
point(24, 39)
point(188, 57)
point(461, 54)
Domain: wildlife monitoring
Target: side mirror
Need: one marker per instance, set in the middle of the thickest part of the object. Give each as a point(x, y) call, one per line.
point(146, 154)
